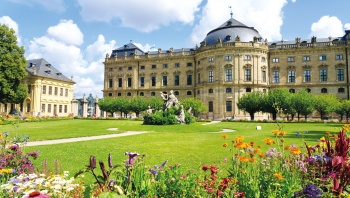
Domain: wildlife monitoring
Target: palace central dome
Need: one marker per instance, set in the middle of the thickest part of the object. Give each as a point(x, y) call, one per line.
point(228, 32)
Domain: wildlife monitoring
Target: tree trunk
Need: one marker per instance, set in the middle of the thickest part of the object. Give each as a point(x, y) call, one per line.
point(251, 116)
point(298, 117)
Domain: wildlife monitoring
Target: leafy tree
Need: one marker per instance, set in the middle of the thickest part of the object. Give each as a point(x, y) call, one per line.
point(155, 103)
point(325, 104)
point(251, 103)
point(303, 103)
point(138, 104)
point(123, 105)
point(275, 100)
point(12, 68)
point(108, 105)
point(339, 109)
point(345, 105)
point(196, 105)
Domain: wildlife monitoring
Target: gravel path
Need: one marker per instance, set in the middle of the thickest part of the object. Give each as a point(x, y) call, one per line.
point(60, 141)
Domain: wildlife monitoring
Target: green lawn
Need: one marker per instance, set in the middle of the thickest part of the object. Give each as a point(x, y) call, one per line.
point(189, 145)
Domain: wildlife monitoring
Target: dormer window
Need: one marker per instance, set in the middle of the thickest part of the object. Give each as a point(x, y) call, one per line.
point(229, 23)
point(59, 74)
point(48, 71)
point(48, 65)
point(228, 38)
point(32, 65)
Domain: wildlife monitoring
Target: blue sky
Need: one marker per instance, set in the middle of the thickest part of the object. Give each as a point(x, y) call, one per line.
point(75, 35)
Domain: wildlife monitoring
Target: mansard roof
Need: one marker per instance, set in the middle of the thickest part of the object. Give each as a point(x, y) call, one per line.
point(128, 50)
point(42, 68)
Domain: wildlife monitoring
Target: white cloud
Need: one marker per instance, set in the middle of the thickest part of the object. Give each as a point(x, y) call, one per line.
point(294, 1)
point(85, 65)
point(67, 32)
point(11, 24)
point(347, 26)
point(265, 16)
point(327, 26)
point(146, 47)
point(54, 5)
point(144, 16)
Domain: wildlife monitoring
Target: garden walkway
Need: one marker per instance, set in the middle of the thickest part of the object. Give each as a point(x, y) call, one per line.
point(79, 139)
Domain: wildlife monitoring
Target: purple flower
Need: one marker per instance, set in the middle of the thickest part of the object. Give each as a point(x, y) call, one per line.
point(14, 147)
point(298, 133)
point(33, 154)
point(309, 190)
point(153, 172)
point(15, 188)
point(131, 157)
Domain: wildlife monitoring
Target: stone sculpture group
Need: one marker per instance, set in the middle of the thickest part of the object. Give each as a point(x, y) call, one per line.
point(171, 101)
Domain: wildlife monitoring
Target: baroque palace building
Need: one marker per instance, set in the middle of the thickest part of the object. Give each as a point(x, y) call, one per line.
point(50, 93)
point(232, 60)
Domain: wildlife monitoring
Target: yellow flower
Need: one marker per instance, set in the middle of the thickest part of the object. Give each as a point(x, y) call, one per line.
point(278, 175)
point(224, 145)
point(275, 131)
point(239, 138)
point(281, 133)
point(268, 141)
point(225, 136)
point(243, 159)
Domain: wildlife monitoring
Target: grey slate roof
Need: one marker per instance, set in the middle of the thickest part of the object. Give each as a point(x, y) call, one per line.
point(128, 48)
point(228, 32)
point(45, 69)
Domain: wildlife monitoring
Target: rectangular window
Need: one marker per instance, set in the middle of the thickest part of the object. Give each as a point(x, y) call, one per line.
point(142, 81)
point(120, 68)
point(323, 58)
point(228, 106)
point(165, 80)
point(66, 93)
point(248, 76)
point(275, 60)
point(120, 82)
point(110, 69)
point(177, 64)
point(247, 57)
point(189, 64)
point(56, 91)
point(49, 108)
point(43, 108)
point(59, 108)
point(263, 76)
point(65, 108)
point(199, 78)
point(165, 65)
point(153, 81)
point(211, 76)
point(29, 88)
point(307, 76)
point(290, 59)
point(291, 76)
point(129, 68)
point(339, 57)
point(228, 74)
point(210, 106)
point(306, 58)
point(129, 82)
point(189, 79)
point(211, 59)
point(61, 91)
point(228, 58)
point(44, 89)
point(176, 80)
point(110, 83)
point(340, 74)
point(263, 59)
point(50, 90)
point(276, 76)
point(154, 66)
point(142, 67)
point(323, 75)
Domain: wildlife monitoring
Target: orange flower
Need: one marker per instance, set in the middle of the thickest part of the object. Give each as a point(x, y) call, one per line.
point(256, 149)
point(278, 175)
point(243, 159)
point(225, 136)
point(224, 145)
point(251, 160)
point(239, 138)
point(335, 136)
point(261, 155)
point(251, 143)
point(268, 141)
point(287, 147)
point(275, 131)
point(242, 171)
point(295, 151)
point(281, 133)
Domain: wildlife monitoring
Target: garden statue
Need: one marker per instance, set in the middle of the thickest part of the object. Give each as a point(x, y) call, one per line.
point(149, 110)
point(181, 116)
point(189, 111)
point(170, 100)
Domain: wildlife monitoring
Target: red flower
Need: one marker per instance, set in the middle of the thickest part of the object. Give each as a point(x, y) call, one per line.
point(204, 167)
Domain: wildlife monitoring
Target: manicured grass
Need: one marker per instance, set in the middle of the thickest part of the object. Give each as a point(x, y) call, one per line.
point(189, 145)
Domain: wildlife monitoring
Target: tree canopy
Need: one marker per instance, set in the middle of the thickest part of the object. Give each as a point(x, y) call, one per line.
point(12, 67)
point(251, 103)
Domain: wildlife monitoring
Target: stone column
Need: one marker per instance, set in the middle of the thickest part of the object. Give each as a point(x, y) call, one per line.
point(75, 107)
point(84, 106)
point(97, 108)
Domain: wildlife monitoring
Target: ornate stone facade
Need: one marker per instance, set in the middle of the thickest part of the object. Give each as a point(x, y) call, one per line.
point(227, 65)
